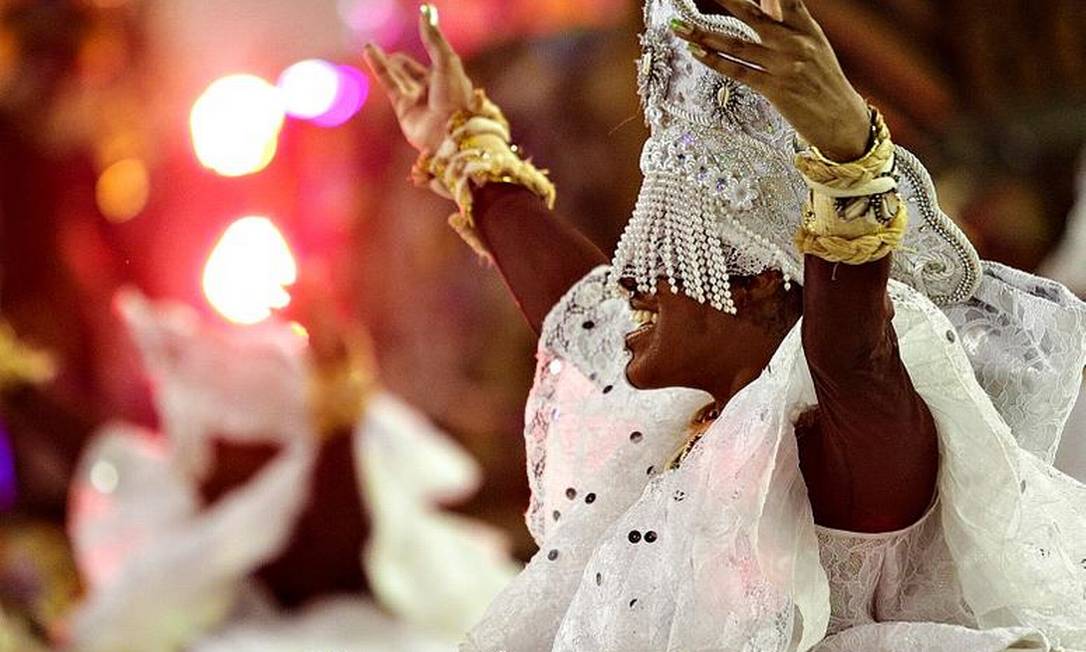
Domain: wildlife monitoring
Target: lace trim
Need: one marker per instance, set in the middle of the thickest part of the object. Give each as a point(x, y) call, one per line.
point(1025, 337)
point(834, 533)
point(933, 271)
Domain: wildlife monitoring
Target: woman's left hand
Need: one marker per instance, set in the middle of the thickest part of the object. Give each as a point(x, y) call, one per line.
point(795, 68)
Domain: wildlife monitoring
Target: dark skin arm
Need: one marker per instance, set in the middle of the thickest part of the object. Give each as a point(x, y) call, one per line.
point(871, 458)
point(538, 255)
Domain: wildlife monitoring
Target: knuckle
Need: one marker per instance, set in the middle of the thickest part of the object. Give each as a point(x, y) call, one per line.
point(801, 46)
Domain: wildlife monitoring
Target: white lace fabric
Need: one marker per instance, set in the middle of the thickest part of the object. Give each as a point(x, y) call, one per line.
point(906, 575)
point(1024, 337)
point(722, 553)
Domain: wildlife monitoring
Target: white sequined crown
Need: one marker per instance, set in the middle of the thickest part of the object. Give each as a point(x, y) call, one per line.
point(721, 196)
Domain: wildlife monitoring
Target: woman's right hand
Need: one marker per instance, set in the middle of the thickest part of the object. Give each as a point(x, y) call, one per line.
point(423, 98)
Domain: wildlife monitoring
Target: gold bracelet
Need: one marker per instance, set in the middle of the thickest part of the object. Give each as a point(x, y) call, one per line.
point(477, 151)
point(853, 242)
point(850, 177)
point(853, 213)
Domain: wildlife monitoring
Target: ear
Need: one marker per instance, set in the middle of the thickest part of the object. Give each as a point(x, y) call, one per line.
point(765, 285)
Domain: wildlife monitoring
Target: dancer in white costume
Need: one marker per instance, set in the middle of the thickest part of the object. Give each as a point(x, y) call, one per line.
point(167, 573)
point(875, 476)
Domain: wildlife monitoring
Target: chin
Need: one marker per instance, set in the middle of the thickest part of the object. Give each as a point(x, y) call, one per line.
point(640, 373)
point(633, 377)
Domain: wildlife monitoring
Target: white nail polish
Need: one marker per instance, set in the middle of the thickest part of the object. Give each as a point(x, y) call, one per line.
point(430, 11)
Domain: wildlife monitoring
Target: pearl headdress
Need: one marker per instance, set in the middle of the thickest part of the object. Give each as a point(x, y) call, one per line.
point(721, 196)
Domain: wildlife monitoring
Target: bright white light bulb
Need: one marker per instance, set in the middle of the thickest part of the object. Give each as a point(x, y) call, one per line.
point(248, 270)
point(235, 124)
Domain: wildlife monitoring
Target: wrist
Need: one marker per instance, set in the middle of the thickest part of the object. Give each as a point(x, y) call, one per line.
point(851, 138)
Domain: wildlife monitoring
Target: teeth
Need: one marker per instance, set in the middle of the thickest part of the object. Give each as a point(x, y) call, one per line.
point(644, 317)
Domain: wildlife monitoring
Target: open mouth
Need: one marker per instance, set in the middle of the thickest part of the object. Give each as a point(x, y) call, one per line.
point(644, 318)
point(644, 310)
point(645, 321)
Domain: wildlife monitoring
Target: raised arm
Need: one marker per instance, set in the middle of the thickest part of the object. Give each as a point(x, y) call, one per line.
point(871, 457)
point(538, 255)
point(507, 218)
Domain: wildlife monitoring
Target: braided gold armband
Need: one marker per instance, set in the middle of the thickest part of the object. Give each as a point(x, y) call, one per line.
point(851, 177)
point(853, 213)
point(476, 151)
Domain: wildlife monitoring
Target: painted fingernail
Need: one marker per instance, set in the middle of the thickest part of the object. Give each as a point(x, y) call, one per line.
point(681, 27)
point(696, 50)
point(430, 12)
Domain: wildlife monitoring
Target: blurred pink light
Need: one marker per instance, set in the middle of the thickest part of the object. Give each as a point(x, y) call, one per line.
point(354, 88)
point(310, 88)
point(383, 21)
point(322, 92)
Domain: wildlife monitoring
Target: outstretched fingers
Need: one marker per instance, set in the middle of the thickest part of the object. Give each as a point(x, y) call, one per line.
point(442, 55)
point(411, 67)
point(796, 15)
point(382, 69)
point(773, 9)
point(772, 18)
point(751, 14)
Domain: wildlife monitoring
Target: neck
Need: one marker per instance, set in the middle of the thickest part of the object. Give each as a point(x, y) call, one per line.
point(724, 391)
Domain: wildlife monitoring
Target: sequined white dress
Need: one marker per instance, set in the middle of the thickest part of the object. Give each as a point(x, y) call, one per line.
point(722, 553)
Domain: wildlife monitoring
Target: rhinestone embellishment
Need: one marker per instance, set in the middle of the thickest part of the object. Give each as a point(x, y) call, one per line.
point(654, 73)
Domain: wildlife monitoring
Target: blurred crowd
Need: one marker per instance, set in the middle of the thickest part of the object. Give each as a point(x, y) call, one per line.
point(991, 95)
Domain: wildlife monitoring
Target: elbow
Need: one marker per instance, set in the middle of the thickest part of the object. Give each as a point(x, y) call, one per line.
point(841, 354)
